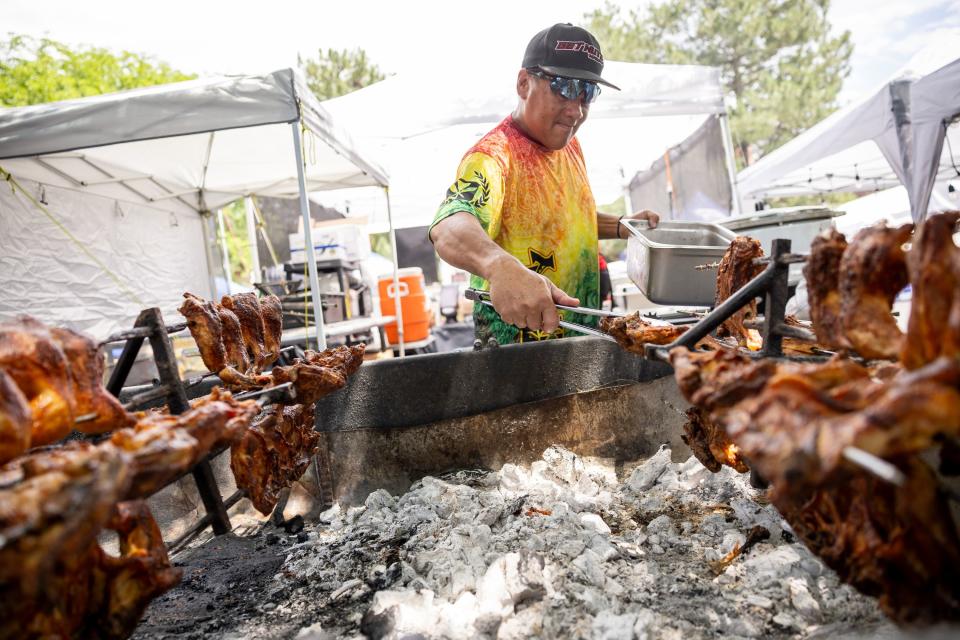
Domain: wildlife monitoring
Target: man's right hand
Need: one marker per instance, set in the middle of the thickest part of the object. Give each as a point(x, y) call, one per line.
point(525, 298)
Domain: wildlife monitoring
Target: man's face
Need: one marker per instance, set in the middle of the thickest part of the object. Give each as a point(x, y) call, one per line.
point(550, 119)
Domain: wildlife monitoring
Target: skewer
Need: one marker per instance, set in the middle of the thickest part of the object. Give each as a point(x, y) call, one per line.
point(875, 465)
point(87, 417)
point(284, 390)
point(139, 332)
point(788, 258)
point(152, 394)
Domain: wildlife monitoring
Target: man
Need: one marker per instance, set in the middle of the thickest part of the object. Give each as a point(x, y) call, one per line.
point(520, 216)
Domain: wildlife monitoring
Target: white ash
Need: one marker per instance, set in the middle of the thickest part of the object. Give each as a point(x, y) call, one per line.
point(564, 548)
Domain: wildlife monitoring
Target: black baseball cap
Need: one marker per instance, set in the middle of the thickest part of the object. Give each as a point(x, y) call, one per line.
point(566, 50)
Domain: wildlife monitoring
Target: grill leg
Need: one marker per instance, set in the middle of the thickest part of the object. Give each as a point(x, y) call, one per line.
point(212, 501)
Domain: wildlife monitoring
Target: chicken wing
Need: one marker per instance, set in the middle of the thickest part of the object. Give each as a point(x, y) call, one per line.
point(737, 269)
point(822, 272)
point(15, 419)
point(38, 366)
point(934, 266)
point(247, 308)
point(234, 348)
point(86, 372)
point(873, 271)
point(632, 332)
point(206, 329)
point(274, 453)
point(272, 312)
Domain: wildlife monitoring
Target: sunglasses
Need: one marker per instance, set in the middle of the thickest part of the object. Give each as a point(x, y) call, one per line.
point(569, 88)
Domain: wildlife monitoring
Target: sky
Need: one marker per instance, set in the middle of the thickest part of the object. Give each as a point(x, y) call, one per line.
point(244, 37)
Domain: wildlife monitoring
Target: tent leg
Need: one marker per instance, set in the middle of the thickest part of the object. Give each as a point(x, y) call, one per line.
point(252, 237)
point(731, 163)
point(398, 309)
point(225, 251)
point(205, 219)
point(308, 238)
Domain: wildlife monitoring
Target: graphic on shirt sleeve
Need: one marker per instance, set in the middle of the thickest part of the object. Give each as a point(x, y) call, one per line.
point(541, 263)
point(476, 192)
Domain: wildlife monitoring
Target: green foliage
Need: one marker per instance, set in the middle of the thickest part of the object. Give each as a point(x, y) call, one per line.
point(334, 73)
point(43, 70)
point(779, 59)
point(238, 242)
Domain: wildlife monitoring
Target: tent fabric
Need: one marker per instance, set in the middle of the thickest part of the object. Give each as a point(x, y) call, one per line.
point(133, 175)
point(419, 126)
point(894, 136)
point(698, 179)
point(408, 105)
point(156, 255)
point(198, 144)
point(934, 103)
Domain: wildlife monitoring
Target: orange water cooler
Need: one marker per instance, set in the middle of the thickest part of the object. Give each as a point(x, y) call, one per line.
point(413, 302)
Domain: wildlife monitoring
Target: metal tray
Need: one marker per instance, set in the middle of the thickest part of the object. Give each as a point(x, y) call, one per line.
point(661, 261)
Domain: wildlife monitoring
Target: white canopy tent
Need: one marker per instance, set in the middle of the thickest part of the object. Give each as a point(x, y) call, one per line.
point(894, 136)
point(110, 196)
point(419, 126)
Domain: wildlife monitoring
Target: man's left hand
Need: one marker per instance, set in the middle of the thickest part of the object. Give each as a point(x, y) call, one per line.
point(652, 218)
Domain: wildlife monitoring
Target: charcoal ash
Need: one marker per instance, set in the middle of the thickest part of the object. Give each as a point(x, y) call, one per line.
point(564, 547)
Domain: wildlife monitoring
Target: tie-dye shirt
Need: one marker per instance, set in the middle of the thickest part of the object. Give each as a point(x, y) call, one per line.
point(537, 205)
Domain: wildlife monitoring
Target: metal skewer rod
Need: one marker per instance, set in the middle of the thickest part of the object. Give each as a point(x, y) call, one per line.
point(139, 332)
point(875, 465)
point(484, 296)
point(787, 258)
point(160, 391)
point(87, 417)
point(563, 323)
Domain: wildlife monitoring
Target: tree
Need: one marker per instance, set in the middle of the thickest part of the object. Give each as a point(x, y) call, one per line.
point(43, 70)
point(779, 59)
point(335, 73)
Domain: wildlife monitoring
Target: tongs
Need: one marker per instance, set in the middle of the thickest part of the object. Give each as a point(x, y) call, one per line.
point(483, 297)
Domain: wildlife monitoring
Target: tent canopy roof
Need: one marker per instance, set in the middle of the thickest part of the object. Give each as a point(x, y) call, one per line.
point(859, 148)
point(421, 123)
point(197, 144)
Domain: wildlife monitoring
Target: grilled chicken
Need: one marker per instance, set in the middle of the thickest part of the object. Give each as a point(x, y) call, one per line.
point(55, 580)
point(272, 312)
point(709, 442)
point(86, 372)
point(15, 419)
point(165, 446)
point(247, 308)
point(206, 329)
point(274, 453)
point(320, 373)
point(873, 271)
point(737, 269)
point(632, 332)
point(38, 366)
point(218, 335)
point(822, 272)
point(52, 506)
point(234, 348)
point(934, 266)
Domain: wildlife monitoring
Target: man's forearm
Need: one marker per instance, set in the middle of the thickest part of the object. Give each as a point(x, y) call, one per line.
point(608, 227)
point(460, 241)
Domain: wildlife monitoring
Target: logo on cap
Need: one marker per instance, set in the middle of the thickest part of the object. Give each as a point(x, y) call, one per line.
point(583, 47)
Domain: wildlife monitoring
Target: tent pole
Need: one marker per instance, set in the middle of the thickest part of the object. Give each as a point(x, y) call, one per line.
point(225, 251)
point(398, 308)
point(252, 238)
point(731, 164)
point(308, 238)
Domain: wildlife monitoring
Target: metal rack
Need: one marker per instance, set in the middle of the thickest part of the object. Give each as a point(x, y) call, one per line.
point(773, 283)
point(150, 325)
